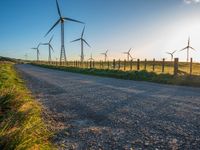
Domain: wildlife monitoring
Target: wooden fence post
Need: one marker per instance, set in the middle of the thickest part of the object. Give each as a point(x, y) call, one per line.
point(124, 64)
point(145, 64)
point(93, 64)
point(176, 66)
point(113, 63)
point(119, 65)
point(191, 61)
point(138, 64)
point(90, 64)
point(108, 64)
point(154, 64)
point(131, 65)
point(163, 65)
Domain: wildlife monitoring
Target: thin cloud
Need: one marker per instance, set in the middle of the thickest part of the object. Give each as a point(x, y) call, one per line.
point(192, 1)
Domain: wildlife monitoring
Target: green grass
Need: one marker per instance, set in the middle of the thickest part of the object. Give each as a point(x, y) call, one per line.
point(21, 123)
point(185, 79)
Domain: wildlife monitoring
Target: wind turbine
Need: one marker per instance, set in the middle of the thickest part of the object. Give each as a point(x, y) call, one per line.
point(105, 55)
point(62, 20)
point(171, 54)
point(188, 47)
point(26, 56)
point(37, 50)
point(91, 58)
point(50, 48)
point(128, 54)
point(82, 42)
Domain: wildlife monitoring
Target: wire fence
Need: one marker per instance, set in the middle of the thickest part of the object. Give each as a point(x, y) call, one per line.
point(168, 67)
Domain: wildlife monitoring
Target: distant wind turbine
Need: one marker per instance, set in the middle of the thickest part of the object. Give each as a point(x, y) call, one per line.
point(171, 54)
point(62, 20)
point(91, 58)
point(26, 56)
point(105, 55)
point(188, 47)
point(37, 50)
point(128, 54)
point(50, 48)
point(82, 44)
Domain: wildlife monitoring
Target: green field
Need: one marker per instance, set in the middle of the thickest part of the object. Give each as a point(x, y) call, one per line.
point(184, 67)
point(21, 123)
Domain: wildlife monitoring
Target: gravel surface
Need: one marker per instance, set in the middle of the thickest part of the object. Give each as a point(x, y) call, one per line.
point(104, 113)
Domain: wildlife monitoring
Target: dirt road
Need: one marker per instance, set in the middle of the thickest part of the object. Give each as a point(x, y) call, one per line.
point(106, 113)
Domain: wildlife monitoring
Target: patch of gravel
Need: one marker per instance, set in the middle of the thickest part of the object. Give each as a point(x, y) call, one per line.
point(89, 112)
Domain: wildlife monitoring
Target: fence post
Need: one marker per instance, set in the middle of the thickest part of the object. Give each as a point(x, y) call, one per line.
point(138, 64)
point(124, 64)
point(131, 65)
point(145, 64)
point(108, 64)
point(163, 65)
point(90, 64)
point(191, 61)
point(119, 65)
point(154, 64)
point(175, 66)
point(93, 64)
point(114, 64)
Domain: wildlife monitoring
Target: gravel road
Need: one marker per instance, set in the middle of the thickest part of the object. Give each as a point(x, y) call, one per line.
point(104, 113)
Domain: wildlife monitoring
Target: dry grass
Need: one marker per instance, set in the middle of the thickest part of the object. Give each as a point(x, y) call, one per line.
point(21, 124)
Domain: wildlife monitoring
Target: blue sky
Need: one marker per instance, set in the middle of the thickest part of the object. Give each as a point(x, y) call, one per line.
point(150, 27)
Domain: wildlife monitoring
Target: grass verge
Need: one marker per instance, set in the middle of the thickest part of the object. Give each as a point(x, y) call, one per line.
point(143, 75)
point(21, 123)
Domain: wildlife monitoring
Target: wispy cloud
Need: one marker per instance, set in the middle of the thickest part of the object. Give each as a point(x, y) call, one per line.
point(192, 1)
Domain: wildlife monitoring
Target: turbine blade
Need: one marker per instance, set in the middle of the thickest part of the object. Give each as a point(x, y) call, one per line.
point(44, 43)
point(83, 32)
point(58, 8)
point(86, 43)
point(192, 48)
point(51, 39)
point(76, 40)
point(174, 52)
point(51, 47)
point(129, 50)
point(52, 27)
point(188, 40)
point(39, 45)
point(69, 19)
point(184, 49)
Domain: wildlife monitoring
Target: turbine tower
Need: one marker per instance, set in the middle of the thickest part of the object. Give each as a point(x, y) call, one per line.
point(105, 55)
point(50, 48)
point(128, 54)
point(62, 20)
point(91, 58)
point(188, 47)
point(26, 56)
point(82, 44)
point(171, 54)
point(37, 50)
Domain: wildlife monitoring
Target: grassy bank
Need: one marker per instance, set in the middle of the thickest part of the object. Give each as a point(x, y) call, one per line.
point(186, 80)
point(21, 124)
